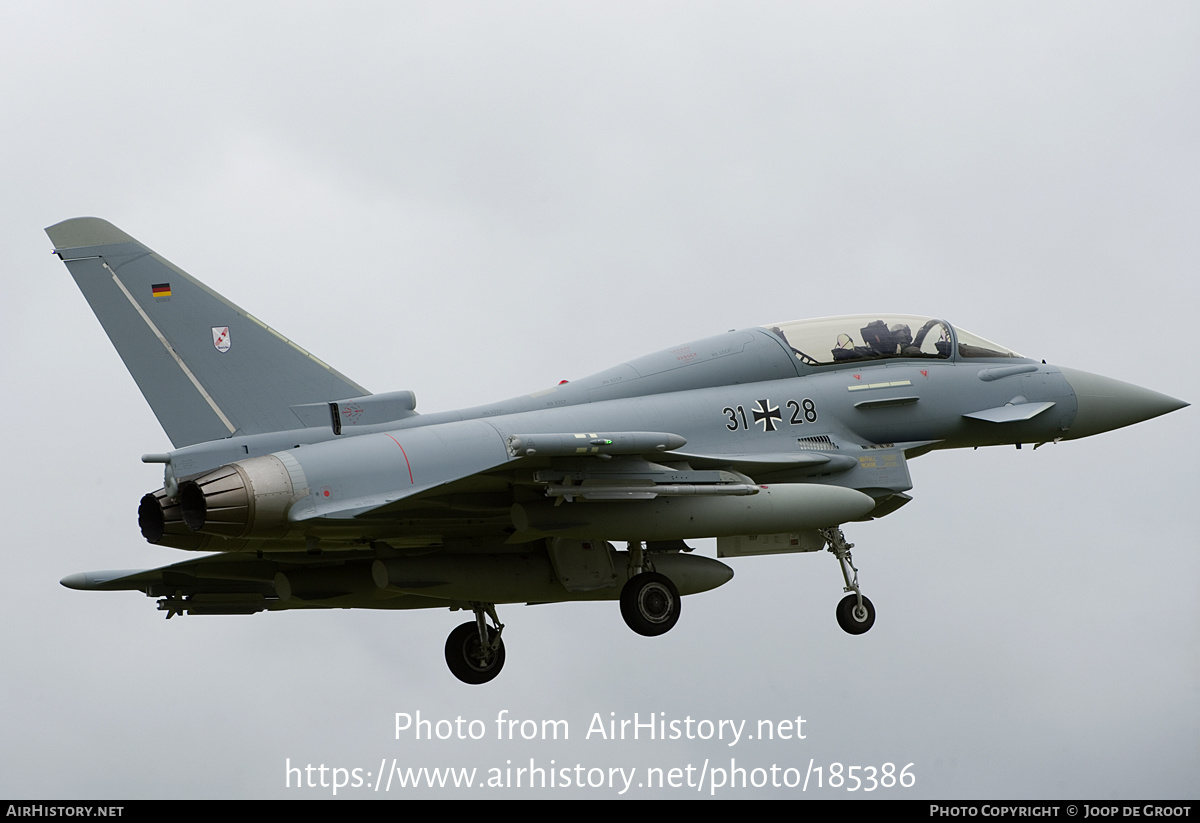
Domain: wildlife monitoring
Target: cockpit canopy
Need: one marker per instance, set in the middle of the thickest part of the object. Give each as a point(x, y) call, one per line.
point(855, 338)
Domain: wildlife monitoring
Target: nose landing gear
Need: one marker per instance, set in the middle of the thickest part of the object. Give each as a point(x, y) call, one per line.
point(855, 613)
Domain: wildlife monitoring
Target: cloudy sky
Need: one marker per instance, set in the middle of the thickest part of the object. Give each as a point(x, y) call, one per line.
point(474, 201)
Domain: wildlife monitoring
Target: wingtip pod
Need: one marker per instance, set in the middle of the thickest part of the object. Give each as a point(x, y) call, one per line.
point(80, 232)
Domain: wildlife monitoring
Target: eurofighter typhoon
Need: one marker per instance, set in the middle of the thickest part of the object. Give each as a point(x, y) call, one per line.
point(315, 493)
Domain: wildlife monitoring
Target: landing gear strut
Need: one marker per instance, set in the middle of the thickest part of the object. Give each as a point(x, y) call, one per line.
point(649, 601)
point(474, 651)
point(855, 613)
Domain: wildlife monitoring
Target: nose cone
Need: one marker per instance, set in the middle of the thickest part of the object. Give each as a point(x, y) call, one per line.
point(1106, 404)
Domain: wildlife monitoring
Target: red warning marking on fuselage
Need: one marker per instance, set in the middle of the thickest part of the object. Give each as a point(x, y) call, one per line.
point(924, 373)
point(406, 463)
point(858, 377)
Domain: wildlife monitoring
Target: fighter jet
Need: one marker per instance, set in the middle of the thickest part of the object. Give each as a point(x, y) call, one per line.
point(315, 493)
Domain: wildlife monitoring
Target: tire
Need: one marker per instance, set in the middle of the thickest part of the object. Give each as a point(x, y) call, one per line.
point(463, 655)
point(851, 619)
point(650, 604)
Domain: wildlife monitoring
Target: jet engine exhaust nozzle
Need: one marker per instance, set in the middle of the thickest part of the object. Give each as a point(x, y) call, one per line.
point(249, 498)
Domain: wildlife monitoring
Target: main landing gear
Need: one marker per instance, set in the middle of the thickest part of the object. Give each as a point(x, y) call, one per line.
point(474, 651)
point(855, 613)
point(649, 601)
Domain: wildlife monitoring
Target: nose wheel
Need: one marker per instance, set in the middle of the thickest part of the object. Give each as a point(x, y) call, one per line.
point(855, 617)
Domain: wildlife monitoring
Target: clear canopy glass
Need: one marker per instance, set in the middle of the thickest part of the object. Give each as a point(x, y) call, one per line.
point(854, 338)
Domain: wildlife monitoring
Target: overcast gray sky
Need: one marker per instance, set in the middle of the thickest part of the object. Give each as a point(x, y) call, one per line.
point(474, 201)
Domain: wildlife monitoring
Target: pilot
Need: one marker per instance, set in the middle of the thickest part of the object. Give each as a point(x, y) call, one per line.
point(879, 339)
point(904, 340)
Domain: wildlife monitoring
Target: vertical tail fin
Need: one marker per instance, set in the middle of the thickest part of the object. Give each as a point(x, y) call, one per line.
point(207, 368)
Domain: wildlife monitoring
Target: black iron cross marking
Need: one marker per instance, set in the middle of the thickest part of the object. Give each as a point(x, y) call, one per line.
point(766, 414)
